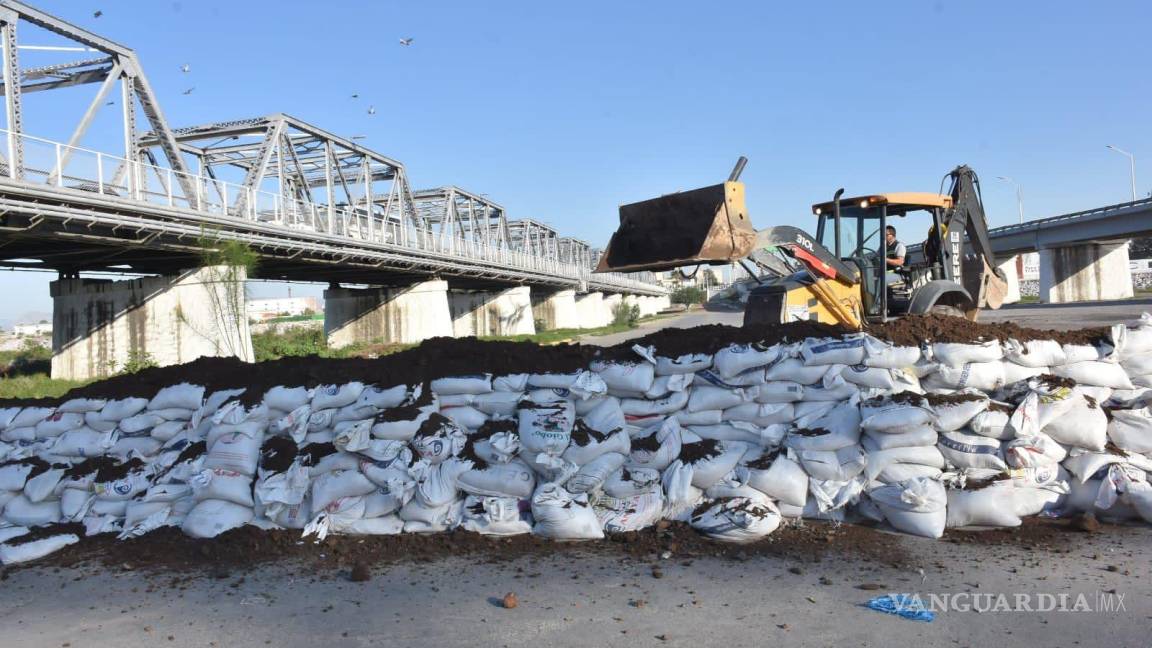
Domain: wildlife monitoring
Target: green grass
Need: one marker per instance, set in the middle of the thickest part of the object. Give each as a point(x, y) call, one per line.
point(297, 342)
point(557, 336)
point(36, 386)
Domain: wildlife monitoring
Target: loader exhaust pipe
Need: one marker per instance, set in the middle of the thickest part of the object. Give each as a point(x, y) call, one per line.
point(836, 219)
point(738, 169)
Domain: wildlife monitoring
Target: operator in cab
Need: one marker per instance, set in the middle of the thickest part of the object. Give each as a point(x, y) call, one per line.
point(895, 253)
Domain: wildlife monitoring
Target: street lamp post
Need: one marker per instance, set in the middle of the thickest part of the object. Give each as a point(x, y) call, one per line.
point(1019, 195)
point(1131, 167)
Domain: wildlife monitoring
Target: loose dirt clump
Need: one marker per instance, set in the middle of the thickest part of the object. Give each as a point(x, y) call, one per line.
point(765, 461)
point(47, 531)
point(314, 452)
point(583, 434)
point(38, 465)
point(700, 451)
point(106, 468)
point(468, 453)
point(953, 399)
point(901, 398)
point(1055, 382)
point(647, 443)
point(410, 410)
point(277, 454)
point(494, 426)
point(1034, 533)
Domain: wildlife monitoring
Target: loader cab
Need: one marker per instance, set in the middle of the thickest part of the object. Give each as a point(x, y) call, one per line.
point(853, 229)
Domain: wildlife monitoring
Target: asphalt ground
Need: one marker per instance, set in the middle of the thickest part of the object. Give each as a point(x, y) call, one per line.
point(1041, 316)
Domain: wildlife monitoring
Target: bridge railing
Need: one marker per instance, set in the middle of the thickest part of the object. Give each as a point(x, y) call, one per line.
point(69, 167)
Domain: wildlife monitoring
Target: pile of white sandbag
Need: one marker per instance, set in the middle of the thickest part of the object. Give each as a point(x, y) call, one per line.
point(851, 428)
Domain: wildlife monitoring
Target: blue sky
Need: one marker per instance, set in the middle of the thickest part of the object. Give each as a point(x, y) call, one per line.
point(563, 111)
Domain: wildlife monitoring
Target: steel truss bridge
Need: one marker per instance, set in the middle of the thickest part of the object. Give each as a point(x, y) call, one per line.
point(315, 206)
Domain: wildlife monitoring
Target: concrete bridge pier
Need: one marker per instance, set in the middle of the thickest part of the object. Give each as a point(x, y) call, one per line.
point(556, 310)
point(389, 315)
point(593, 309)
point(99, 325)
point(501, 312)
point(1013, 270)
point(1086, 272)
point(649, 304)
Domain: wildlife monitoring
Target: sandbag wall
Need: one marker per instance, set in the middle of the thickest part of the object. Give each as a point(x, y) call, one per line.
point(848, 428)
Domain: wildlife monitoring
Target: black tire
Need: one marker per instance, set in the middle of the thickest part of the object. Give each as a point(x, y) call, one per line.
point(947, 311)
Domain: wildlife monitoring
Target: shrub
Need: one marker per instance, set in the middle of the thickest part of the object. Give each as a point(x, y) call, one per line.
point(137, 361)
point(688, 295)
point(625, 315)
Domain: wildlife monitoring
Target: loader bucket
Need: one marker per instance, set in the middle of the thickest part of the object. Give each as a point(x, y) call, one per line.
point(707, 225)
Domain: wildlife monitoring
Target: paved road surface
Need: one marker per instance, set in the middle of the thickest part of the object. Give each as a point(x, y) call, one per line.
point(684, 320)
point(582, 600)
point(1070, 316)
point(1042, 316)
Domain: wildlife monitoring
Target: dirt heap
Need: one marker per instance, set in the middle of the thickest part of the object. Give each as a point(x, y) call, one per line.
point(439, 357)
point(914, 329)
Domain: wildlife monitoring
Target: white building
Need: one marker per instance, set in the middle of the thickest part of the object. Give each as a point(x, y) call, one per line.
point(262, 309)
point(33, 329)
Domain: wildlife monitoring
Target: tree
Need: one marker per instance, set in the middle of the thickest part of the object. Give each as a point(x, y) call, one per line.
point(1141, 248)
point(688, 295)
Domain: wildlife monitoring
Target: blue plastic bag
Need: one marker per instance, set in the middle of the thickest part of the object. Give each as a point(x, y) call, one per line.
point(904, 605)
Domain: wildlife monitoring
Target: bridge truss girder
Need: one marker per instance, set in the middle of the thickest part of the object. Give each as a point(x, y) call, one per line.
point(113, 65)
point(533, 237)
point(316, 177)
point(456, 214)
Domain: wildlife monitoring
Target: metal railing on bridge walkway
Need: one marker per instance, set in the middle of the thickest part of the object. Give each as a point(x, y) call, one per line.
point(118, 181)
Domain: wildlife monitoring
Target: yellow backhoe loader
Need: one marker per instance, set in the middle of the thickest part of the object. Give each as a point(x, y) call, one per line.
point(838, 276)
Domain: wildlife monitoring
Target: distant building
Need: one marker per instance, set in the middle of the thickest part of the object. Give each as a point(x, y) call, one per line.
point(262, 309)
point(33, 329)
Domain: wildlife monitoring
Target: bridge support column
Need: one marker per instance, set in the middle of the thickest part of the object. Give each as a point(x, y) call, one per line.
point(650, 305)
point(556, 310)
point(593, 310)
point(1012, 267)
point(480, 313)
point(1086, 272)
point(388, 315)
point(99, 326)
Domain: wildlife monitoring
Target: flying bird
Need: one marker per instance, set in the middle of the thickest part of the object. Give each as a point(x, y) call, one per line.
point(97, 13)
point(406, 41)
point(189, 90)
point(185, 68)
point(371, 110)
point(110, 103)
point(355, 95)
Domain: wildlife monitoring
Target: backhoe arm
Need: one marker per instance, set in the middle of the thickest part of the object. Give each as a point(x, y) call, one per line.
point(982, 279)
